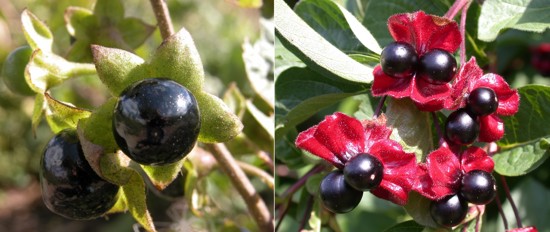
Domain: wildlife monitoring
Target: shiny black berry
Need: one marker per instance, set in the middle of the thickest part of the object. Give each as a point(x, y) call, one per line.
point(478, 187)
point(363, 172)
point(482, 101)
point(337, 195)
point(449, 211)
point(461, 128)
point(398, 59)
point(156, 121)
point(70, 187)
point(437, 67)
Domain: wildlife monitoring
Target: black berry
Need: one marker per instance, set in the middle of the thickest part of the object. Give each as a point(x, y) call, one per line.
point(70, 187)
point(478, 187)
point(337, 195)
point(398, 59)
point(449, 211)
point(363, 172)
point(437, 67)
point(156, 121)
point(482, 101)
point(461, 128)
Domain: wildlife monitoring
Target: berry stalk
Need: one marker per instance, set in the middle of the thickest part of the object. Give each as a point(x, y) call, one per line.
point(463, 32)
point(455, 8)
point(378, 110)
point(501, 212)
point(509, 196)
point(163, 18)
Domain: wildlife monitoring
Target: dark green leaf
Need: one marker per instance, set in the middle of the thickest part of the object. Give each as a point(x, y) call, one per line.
point(418, 207)
point(524, 126)
point(134, 31)
point(314, 50)
point(526, 15)
point(376, 15)
point(411, 127)
point(111, 11)
point(522, 159)
point(407, 226)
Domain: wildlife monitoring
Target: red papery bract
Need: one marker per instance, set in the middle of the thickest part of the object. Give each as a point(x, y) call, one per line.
point(441, 174)
point(340, 137)
point(425, 33)
point(524, 229)
point(491, 128)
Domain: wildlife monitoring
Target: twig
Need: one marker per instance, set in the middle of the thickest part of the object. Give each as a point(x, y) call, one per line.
point(307, 213)
point(463, 15)
point(379, 107)
point(254, 171)
point(163, 18)
point(455, 8)
point(318, 168)
point(501, 212)
point(509, 196)
point(256, 206)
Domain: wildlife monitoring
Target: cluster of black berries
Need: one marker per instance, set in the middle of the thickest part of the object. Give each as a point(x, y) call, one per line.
point(342, 190)
point(400, 60)
point(477, 187)
point(155, 122)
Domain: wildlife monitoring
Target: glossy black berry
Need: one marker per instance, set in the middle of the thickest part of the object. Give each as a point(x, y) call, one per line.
point(70, 187)
point(461, 128)
point(399, 59)
point(478, 187)
point(337, 195)
point(363, 172)
point(437, 67)
point(449, 211)
point(156, 121)
point(482, 101)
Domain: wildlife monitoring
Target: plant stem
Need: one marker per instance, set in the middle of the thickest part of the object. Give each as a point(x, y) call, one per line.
point(163, 18)
point(463, 32)
point(283, 211)
point(307, 213)
point(254, 171)
point(455, 8)
point(501, 212)
point(509, 196)
point(256, 206)
point(378, 110)
point(318, 168)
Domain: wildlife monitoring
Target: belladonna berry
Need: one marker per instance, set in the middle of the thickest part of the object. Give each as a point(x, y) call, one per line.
point(449, 211)
point(437, 67)
point(398, 59)
point(478, 187)
point(482, 101)
point(70, 187)
point(461, 128)
point(337, 195)
point(156, 121)
point(363, 172)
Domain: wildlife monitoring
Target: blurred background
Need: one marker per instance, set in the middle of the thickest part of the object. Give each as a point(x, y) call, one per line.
point(219, 28)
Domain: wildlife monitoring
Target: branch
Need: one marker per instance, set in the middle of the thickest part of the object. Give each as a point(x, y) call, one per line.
point(256, 206)
point(257, 172)
point(163, 18)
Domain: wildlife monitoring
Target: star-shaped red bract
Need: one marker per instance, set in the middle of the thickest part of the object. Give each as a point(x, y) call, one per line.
point(441, 175)
point(425, 33)
point(340, 137)
point(524, 229)
point(469, 78)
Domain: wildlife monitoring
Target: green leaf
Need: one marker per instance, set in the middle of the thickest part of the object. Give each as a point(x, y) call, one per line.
point(300, 93)
point(522, 159)
point(531, 197)
point(314, 50)
point(313, 183)
point(111, 11)
point(61, 115)
point(406, 226)
point(525, 15)
point(524, 126)
point(98, 128)
point(38, 111)
point(177, 59)
point(362, 33)
point(36, 32)
point(162, 176)
point(284, 59)
point(78, 20)
point(418, 207)
point(134, 31)
point(376, 15)
point(235, 100)
point(411, 127)
point(367, 106)
point(134, 193)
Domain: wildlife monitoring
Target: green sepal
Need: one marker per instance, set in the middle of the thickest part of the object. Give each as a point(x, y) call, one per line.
point(162, 176)
point(60, 115)
point(37, 33)
point(98, 127)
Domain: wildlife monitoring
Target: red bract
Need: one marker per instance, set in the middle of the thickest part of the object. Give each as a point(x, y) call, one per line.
point(442, 173)
point(470, 77)
point(425, 33)
point(525, 229)
point(340, 137)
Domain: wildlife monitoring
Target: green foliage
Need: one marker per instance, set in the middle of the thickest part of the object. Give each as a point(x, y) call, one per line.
point(522, 159)
point(525, 15)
